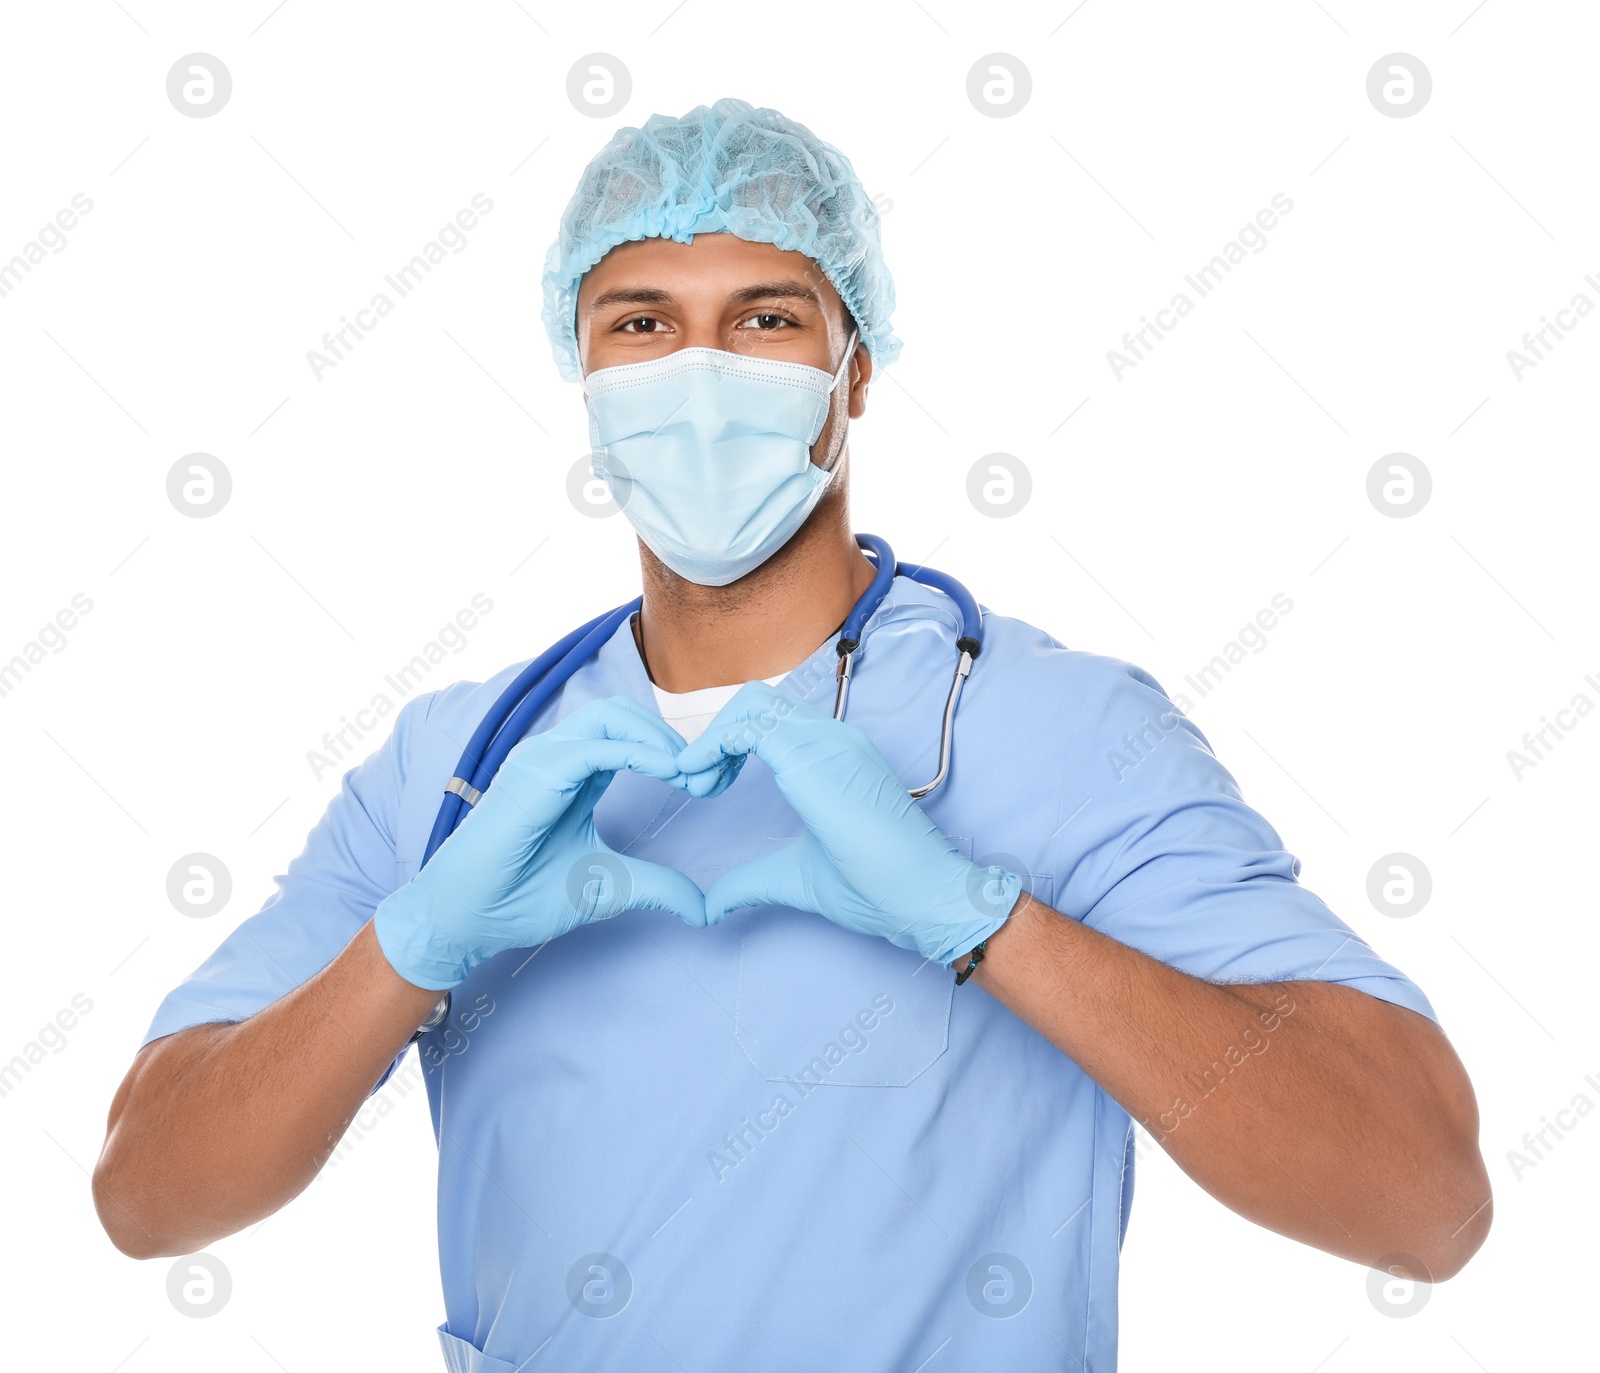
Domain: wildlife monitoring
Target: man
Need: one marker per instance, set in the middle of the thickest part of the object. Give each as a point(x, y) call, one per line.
point(775, 1128)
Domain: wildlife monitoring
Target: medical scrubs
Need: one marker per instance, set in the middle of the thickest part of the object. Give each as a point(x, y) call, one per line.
point(776, 1143)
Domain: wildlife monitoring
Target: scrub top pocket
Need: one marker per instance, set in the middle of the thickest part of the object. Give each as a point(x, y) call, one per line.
point(820, 1005)
point(461, 1357)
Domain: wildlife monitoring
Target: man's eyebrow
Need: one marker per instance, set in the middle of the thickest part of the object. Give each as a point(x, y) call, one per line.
point(786, 289)
point(631, 295)
point(783, 289)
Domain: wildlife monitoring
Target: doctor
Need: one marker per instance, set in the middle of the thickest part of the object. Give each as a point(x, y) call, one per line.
point(708, 1091)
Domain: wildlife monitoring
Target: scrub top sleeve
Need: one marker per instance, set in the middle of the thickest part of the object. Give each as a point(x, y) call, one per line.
point(328, 893)
point(1163, 854)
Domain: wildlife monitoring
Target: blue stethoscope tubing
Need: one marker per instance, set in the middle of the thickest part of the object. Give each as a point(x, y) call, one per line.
point(507, 721)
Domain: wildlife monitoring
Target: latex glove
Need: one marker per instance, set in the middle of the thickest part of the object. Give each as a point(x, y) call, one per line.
point(526, 865)
point(871, 860)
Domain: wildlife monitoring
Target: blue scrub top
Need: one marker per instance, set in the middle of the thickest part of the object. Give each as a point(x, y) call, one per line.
point(775, 1140)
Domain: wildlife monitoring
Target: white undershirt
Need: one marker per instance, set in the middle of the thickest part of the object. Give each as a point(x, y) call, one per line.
point(689, 712)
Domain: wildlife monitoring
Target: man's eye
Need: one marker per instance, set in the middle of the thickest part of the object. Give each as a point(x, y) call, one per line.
point(644, 324)
point(767, 320)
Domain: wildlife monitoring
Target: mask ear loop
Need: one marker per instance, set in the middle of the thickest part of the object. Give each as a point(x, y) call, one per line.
point(838, 376)
point(844, 362)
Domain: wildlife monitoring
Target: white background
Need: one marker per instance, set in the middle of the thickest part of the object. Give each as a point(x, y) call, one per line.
point(369, 506)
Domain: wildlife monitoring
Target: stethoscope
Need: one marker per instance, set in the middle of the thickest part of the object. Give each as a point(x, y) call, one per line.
point(500, 730)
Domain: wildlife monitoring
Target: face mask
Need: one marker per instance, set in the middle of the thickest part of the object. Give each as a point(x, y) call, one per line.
point(709, 454)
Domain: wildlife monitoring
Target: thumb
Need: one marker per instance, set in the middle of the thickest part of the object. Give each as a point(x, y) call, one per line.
point(780, 878)
point(648, 886)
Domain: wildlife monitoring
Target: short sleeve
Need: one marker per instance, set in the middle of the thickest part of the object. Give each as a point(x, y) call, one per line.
point(328, 893)
point(1163, 854)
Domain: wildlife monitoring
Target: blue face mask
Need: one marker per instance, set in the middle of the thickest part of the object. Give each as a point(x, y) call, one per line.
point(709, 454)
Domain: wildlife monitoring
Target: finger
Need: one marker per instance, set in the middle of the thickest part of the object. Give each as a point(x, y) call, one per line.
point(743, 725)
point(714, 780)
point(651, 887)
point(651, 719)
point(727, 736)
point(774, 879)
point(616, 717)
point(561, 764)
point(618, 755)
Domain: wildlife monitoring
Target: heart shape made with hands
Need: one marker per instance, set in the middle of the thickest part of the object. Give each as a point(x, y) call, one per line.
point(870, 860)
point(527, 864)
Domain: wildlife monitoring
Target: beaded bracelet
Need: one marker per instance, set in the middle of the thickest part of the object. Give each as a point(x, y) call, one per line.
point(972, 964)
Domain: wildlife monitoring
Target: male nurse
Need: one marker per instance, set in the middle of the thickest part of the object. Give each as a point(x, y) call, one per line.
point(735, 1051)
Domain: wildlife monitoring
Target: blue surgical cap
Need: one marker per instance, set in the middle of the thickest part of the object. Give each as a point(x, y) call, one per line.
point(729, 168)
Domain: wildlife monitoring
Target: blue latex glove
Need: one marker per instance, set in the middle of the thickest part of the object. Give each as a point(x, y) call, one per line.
point(870, 860)
point(526, 865)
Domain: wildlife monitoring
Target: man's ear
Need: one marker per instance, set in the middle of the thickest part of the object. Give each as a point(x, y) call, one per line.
point(860, 375)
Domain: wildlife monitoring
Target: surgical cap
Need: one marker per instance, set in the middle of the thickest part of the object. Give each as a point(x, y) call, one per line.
point(729, 168)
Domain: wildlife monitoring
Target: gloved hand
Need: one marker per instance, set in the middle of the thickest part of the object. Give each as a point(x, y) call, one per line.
point(527, 865)
point(870, 859)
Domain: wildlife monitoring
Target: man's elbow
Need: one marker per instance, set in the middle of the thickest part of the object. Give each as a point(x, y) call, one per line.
point(1449, 1253)
point(127, 1201)
point(1457, 1222)
point(1451, 1202)
point(123, 1228)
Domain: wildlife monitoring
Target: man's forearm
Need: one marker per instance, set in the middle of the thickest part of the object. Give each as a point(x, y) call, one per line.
point(1313, 1109)
point(217, 1126)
